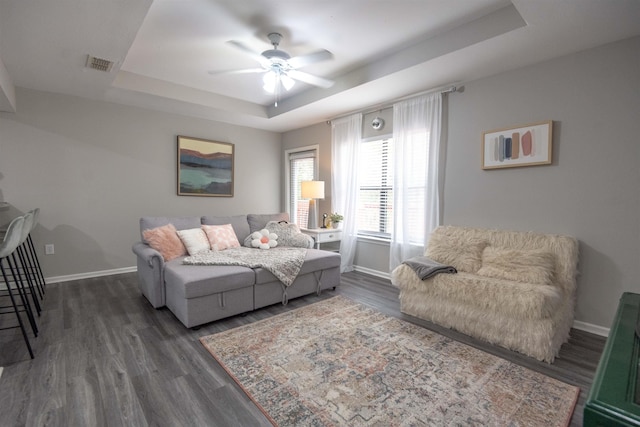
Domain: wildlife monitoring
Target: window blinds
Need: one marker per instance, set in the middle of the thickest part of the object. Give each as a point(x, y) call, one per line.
point(376, 188)
point(302, 167)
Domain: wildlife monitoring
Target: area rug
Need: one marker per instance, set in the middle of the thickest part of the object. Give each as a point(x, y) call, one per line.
point(338, 362)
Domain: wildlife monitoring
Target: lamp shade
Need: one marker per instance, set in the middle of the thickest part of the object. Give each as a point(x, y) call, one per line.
point(312, 189)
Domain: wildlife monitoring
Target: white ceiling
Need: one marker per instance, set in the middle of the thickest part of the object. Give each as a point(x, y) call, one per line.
point(383, 49)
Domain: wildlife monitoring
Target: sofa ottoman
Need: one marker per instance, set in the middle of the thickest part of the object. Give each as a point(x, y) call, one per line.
point(321, 270)
point(194, 301)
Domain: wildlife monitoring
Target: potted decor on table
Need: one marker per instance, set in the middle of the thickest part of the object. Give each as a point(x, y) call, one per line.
point(336, 220)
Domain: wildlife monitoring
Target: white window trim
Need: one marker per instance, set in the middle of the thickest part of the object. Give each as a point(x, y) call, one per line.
point(287, 171)
point(373, 236)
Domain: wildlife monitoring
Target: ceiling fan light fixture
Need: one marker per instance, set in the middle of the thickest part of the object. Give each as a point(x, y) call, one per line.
point(287, 82)
point(270, 80)
point(273, 78)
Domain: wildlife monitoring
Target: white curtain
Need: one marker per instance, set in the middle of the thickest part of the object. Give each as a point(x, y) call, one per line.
point(416, 198)
point(346, 134)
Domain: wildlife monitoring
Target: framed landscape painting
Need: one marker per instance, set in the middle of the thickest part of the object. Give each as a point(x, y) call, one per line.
point(205, 168)
point(527, 145)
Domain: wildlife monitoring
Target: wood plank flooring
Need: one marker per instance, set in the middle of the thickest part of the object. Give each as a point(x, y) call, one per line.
point(105, 357)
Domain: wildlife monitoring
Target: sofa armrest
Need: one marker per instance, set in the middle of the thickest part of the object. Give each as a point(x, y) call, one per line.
point(147, 253)
point(150, 273)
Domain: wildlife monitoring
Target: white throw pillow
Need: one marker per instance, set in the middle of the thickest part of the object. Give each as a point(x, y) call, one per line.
point(195, 240)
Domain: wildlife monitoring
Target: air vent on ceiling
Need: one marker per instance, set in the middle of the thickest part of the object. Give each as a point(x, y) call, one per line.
point(99, 63)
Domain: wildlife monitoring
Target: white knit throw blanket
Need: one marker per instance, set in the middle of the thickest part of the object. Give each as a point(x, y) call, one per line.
point(284, 263)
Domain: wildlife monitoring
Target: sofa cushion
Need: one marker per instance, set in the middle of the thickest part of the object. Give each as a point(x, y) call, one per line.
point(180, 223)
point(528, 266)
point(192, 281)
point(259, 221)
point(459, 250)
point(498, 297)
point(315, 260)
point(221, 237)
point(238, 222)
point(165, 240)
point(195, 240)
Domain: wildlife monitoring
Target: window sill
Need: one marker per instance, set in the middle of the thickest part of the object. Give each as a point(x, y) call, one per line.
point(376, 240)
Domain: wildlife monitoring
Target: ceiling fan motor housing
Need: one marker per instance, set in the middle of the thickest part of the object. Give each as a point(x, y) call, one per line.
point(275, 39)
point(276, 53)
point(277, 57)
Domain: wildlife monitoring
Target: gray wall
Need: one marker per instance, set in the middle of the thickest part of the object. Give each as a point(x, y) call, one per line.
point(94, 168)
point(592, 189)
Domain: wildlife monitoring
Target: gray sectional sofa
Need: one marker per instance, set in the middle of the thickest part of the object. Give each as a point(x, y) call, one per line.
point(198, 294)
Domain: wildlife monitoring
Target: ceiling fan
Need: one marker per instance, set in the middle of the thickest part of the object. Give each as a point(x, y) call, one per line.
point(280, 68)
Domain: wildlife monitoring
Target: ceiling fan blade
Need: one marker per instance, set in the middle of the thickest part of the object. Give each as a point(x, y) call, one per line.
point(245, 71)
point(310, 79)
point(246, 49)
point(302, 60)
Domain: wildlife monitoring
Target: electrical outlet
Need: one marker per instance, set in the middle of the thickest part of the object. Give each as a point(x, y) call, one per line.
point(49, 249)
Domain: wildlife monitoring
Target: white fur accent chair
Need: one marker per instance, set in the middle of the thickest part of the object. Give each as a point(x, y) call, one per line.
point(514, 289)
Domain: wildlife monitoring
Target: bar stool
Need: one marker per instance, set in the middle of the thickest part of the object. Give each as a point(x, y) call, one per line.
point(34, 253)
point(20, 277)
point(8, 247)
point(26, 270)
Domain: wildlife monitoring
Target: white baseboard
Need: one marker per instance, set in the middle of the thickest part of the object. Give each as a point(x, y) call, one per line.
point(590, 327)
point(90, 274)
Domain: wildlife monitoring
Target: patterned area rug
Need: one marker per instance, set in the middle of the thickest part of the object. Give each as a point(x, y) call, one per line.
point(337, 362)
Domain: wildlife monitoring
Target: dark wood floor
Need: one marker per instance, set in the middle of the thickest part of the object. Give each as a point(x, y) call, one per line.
point(105, 357)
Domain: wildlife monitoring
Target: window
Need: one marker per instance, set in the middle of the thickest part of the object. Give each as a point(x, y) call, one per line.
point(375, 202)
point(302, 165)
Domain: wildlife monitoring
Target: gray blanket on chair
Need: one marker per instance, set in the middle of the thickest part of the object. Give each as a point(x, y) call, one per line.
point(426, 267)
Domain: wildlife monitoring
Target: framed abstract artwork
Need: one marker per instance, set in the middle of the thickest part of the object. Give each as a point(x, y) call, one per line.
point(527, 145)
point(205, 168)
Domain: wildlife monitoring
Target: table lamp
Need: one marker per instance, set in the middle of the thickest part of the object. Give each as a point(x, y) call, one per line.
point(312, 190)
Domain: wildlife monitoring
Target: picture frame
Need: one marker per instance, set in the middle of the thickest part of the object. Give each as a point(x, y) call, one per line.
point(205, 167)
point(527, 145)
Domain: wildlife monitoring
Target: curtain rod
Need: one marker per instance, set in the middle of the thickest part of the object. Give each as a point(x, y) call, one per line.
point(441, 89)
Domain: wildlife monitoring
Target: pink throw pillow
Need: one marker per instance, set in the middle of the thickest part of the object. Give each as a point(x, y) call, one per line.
point(221, 237)
point(166, 241)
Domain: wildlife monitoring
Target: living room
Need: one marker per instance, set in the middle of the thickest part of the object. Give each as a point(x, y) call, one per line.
point(94, 166)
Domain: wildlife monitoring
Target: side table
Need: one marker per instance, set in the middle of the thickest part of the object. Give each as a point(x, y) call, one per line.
point(328, 237)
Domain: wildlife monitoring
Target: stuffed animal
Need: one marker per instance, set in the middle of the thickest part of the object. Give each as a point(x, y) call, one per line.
point(263, 239)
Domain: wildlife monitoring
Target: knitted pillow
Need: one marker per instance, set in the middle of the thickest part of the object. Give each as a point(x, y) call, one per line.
point(258, 222)
point(527, 266)
point(166, 241)
point(289, 235)
point(221, 237)
point(195, 240)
